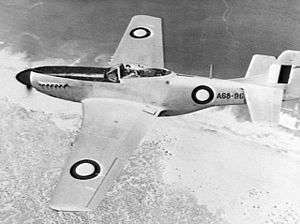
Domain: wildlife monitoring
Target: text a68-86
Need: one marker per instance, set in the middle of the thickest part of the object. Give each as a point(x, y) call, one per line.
point(228, 95)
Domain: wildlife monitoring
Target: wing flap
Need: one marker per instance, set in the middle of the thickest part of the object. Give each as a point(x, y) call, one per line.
point(110, 132)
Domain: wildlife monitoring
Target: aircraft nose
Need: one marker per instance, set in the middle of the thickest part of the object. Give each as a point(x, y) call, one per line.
point(24, 77)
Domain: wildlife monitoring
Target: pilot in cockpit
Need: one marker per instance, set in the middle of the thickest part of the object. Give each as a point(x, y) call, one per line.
point(130, 73)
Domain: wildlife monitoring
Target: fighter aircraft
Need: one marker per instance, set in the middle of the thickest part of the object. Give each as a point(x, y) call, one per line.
point(119, 104)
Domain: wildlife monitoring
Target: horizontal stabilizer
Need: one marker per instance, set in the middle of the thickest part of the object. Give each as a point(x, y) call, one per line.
point(264, 103)
point(259, 65)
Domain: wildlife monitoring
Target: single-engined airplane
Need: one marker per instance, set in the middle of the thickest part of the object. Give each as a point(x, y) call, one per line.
point(119, 103)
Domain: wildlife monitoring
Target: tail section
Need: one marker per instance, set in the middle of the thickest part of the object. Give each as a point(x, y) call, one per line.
point(268, 82)
point(283, 73)
point(259, 65)
point(292, 58)
point(264, 103)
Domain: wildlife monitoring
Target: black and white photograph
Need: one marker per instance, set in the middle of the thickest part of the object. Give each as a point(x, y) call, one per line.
point(150, 111)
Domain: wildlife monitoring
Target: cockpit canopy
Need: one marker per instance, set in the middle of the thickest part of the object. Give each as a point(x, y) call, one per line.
point(133, 71)
point(136, 72)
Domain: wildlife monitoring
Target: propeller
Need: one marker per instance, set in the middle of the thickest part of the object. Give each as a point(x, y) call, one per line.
point(29, 89)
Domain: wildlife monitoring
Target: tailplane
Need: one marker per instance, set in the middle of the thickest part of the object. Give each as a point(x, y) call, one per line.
point(283, 72)
point(268, 82)
point(259, 65)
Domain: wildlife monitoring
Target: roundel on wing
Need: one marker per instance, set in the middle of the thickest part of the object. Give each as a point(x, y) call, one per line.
point(85, 169)
point(202, 94)
point(140, 32)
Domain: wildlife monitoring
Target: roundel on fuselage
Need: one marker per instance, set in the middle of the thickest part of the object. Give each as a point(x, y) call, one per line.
point(140, 32)
point(202, 94)
point(85, 169)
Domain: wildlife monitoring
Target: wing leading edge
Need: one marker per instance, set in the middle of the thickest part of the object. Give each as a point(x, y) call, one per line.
point(141, 43)
point(111, 131)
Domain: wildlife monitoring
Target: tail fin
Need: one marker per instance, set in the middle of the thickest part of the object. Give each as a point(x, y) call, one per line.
point(284, 71)
point(292, 58)
point(268, 81)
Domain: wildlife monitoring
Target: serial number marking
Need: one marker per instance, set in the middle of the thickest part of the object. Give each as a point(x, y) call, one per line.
point(236, 96)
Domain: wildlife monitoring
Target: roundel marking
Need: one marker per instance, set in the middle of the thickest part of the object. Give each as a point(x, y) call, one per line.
point(202, 94)
point(140, 32)
point(85, 169)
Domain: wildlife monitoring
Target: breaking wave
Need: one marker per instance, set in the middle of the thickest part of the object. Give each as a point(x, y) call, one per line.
point(235, 120)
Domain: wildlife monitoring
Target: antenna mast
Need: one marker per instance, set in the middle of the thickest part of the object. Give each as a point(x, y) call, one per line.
point(211, 68)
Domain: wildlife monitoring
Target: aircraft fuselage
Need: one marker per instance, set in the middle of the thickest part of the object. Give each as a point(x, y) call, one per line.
point(175, 93)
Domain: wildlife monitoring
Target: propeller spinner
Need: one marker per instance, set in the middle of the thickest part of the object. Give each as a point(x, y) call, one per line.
point(24, 78)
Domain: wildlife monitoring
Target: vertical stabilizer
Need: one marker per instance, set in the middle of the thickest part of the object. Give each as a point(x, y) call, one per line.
point(279, 74)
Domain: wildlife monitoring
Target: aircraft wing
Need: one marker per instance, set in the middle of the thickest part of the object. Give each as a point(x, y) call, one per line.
point(141, 43)
point(111, 130)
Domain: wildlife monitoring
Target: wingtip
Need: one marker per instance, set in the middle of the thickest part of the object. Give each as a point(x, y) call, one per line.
point(145, 17)
point(68, 208)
